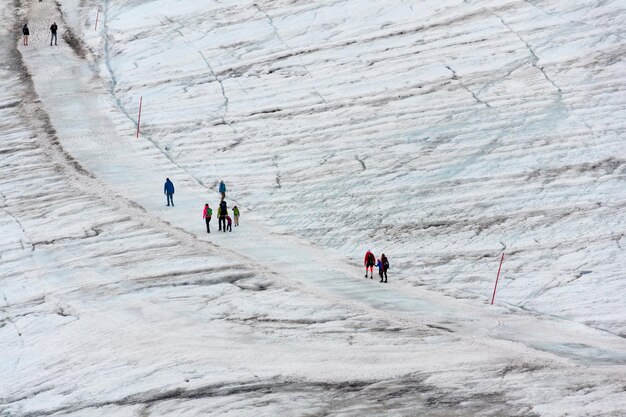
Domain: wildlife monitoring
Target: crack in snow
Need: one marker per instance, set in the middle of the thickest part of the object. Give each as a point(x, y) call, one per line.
point(456, 78)
point(17, 329)
point(360, 162)
point(209, 66)
point(535, 58)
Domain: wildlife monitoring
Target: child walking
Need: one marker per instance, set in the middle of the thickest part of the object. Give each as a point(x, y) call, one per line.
point(236, 214)
point(379, 265)
point(229, 223)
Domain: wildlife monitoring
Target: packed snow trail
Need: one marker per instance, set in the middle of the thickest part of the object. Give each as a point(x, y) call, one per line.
point(93, 131)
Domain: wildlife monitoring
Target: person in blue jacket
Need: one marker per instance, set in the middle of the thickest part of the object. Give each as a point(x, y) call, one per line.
point(168, 190)
point(379, 264)
point(222, 189)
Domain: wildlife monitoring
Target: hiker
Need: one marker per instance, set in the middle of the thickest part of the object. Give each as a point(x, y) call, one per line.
point(229, 222)
point(369, 262)
point(26, 33)
point(168, 190)
point(236, 214)
point(385, 262)
point(53, 33)
point(222, 189)
point(222, 212)
point(379, 265)
point(206, 215)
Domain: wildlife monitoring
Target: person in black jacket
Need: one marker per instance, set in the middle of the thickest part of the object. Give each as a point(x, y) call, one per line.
point(26, 33)
point(53, 33)
point(385, 265)
point(222, 212)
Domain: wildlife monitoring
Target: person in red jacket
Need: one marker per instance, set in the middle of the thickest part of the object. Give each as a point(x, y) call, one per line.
point(369, 262)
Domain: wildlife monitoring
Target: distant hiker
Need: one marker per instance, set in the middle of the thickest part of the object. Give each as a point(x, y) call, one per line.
point(222, 189)
point(379, 265)
point(206, 215)
point(236, 214)
point(385, 262)
point(222, 212)
point(168, 190)
point(26, 33)
point(53, 33)
point(369, 262)
point(229, 223)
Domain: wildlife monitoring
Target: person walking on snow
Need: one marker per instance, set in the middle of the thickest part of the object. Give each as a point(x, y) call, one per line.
point(222, 212)
point(385, 263)
point(229, 222)
point(53, 33)
point(236, 214)
point(168, 190)
point(222, 189)
point(369, 262)
point(206, 215)
point(379, 265)
point(26, 33)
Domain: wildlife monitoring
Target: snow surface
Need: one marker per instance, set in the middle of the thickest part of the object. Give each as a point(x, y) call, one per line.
point(441, 133)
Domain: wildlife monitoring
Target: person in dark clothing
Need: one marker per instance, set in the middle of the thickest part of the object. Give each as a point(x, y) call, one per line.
point(385, 262)
point(26, 33)
point(53, 33)
point(206, 215)
point(168, 190)
point(222, 212)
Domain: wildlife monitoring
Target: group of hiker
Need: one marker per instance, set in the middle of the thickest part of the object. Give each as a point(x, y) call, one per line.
point(53, 33)
point(382, 264)
point(225, 222)
point(26, 33)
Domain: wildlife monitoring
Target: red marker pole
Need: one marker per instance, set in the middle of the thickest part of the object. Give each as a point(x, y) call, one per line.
point(139, 117)
point(97, 16)
point(498, 276)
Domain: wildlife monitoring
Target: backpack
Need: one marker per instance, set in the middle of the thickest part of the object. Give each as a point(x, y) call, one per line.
point(386, 263)
point(371, 258)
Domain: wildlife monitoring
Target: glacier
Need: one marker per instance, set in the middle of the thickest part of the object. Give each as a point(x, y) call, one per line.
point(440, 133)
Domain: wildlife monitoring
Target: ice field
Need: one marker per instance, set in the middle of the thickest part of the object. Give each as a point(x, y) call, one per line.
point(442, 133)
